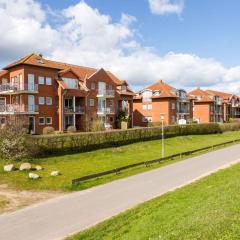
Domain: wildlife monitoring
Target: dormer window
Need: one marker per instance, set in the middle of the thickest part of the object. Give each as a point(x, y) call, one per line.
point(71, 83)
point(156, 92)
point(124, 88)
point(147, 96)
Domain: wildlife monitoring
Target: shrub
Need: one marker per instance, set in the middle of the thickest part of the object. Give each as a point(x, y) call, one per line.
point(96, 125)
point(48, 130)
point(235, 126)
point(13, 143)
point(80, 142)
point(71, 129)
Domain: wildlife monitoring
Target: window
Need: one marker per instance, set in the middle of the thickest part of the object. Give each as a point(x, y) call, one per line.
point(123, 88)
point(149, 106)
point(48, 81)
point(41, 101)
point(111, 103)
point(173, 106)
point(173, 119)
point(41, 121)
point(147, 96)
point(71, 83)
point(49, 100)
point(110, 87)
point(40, 80)
point(48, 120)
point(147, 119)
point(91, 102)
point(2, 101)
point(93, 86)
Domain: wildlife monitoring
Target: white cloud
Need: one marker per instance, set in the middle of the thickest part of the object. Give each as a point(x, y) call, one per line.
point(85, 36)
point(161, 7)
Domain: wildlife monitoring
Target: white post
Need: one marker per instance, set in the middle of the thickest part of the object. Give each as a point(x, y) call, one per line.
point(162, 120)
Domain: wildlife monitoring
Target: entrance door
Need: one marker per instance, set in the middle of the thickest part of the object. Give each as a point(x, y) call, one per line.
point(31, 103)
point(30, 82)
point(31, 127)
point(68, 121)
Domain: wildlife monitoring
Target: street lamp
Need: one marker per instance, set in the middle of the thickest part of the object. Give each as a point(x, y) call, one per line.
point(162, 121)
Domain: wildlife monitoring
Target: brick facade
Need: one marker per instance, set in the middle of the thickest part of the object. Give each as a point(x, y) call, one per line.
point(48, 93)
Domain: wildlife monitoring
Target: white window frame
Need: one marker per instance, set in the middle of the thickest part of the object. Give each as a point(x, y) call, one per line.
point(48, 81)
point(43, 121)
point(43, 102)
point(50, 123)
point(46, 100)
point(91, 102)
point(149, 106)
point(144, 107)
point(41, 80)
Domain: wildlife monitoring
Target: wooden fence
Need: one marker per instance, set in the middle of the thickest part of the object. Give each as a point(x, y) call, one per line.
point(148, 163)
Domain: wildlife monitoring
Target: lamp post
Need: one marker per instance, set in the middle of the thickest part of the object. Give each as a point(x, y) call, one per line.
point(162, 121)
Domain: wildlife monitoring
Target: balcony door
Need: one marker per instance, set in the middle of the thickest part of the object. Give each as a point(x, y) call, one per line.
point(101, 104)
point(102, 87)
point(31, 103)
point(31, 82)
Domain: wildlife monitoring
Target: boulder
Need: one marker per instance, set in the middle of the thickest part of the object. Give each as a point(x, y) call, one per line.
point(55, 173)
point(9, 168)
point(39, 168)
point(25, 166)
point(33, 176)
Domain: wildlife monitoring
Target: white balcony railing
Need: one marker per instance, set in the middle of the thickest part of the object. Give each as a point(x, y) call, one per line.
point(16, 88)
point(107, 110)
point(18, 108)
point(106, 93)
point(78, 109)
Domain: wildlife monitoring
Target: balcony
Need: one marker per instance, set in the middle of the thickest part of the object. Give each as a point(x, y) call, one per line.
point(104, 111)
point(106, 93)
point(77, 110)
point(14, 89)
point(18, 109)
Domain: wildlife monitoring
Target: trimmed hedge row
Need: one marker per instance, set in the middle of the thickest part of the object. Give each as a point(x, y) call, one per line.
point(81, 142)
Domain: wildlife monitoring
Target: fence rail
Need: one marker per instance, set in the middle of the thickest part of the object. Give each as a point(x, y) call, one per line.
point(147, 163)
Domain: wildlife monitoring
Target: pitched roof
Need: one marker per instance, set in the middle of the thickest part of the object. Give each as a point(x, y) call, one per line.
point(223, 95)
point(165, 90)
point(201, 95)
point(3, 72)
point(81, 71)
point(160, 85)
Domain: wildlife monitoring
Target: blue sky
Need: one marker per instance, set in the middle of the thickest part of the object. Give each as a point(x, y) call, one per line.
point(187, 43)
point(208, 28)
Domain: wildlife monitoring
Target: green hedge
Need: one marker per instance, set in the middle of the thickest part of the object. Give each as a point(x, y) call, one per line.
point(235, 126)
point(80, 142)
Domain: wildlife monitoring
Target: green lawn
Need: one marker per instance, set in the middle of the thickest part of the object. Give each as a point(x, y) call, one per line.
point(207, 209)
point(81, 164)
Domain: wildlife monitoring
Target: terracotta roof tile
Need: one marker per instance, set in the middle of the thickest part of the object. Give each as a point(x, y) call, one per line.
point(81, 71)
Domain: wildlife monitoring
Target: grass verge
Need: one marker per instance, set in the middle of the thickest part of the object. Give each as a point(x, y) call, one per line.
point(3, 202)
point(206, 209)
point(81, 164)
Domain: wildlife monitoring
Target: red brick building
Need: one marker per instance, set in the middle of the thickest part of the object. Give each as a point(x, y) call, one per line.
point(214, 106)
point(161, 98)
point(49, 93)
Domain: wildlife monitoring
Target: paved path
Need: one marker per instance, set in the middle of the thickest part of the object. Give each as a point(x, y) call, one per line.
point(60, 217)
